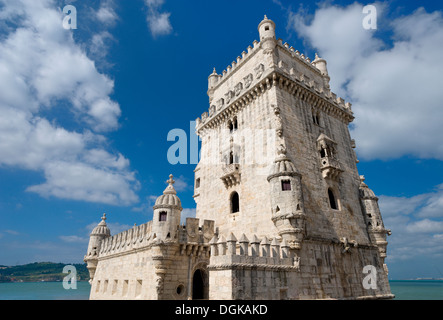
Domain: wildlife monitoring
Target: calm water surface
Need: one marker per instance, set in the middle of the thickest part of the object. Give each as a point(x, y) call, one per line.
point(403, 290)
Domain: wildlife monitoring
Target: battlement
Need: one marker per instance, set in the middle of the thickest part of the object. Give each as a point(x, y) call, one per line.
point(193, 232)
point(219, 78)
point(323, 97)
point(142, 236)
point(230, 253)
point(136, 237)
point(235, 88)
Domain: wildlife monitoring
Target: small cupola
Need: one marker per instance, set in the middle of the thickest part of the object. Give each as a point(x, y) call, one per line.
point(102, 228)
point(266, 28)
point(167, 213)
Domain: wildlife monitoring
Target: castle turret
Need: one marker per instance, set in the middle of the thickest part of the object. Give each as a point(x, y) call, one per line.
point(167, 213)
point(374, 222)
point(266, 29)
point(287, 200)
point(212, 82)
point(321, 65)
point(98, 234)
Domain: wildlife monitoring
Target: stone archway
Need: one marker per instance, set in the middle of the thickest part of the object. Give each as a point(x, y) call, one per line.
point(200, 288)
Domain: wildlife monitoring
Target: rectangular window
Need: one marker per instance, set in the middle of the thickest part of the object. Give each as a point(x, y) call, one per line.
point(286, 185)
point(163, 216)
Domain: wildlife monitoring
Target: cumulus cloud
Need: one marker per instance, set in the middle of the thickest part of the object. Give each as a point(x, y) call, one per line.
point(187, 213)
point(394, 87)
point(74, 239)
point(43, 69)
point(106, 13)
point(158, 22)
point(416, 223)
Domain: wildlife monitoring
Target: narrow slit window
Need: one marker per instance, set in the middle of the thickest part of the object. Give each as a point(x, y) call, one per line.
point(230, 126)
point(231, 158)
point(332, 200)
point(235, 203)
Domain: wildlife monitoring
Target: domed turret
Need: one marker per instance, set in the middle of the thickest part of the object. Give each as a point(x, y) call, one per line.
point(212, 82)
point(287, 200)
point(266, 29)
point(365, 192)
point(101, 229)
point(167, 213)
point(374, 222)
point(98, 234)
point(321, 65)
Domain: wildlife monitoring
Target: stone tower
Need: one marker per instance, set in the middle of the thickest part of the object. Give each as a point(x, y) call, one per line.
point(98, 234)
point(282, 212)
point(167, 213)
point(278, 165)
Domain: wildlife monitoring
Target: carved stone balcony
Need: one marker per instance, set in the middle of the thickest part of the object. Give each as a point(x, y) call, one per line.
point(330, 168)
point(231, 175)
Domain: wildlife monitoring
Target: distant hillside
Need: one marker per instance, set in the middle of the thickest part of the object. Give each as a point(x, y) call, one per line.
point(40, 271)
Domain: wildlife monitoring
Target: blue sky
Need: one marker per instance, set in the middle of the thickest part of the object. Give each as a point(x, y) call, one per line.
point(85, 113)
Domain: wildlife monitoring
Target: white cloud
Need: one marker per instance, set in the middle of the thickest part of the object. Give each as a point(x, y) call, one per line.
point(106, 13)
point(43, 68)
point(81, 181)
point(394, 88)
point(181, 184)
point(158, 22)
point(425, 226)
point(74, 239)
point(187, 213)
point(416, 223)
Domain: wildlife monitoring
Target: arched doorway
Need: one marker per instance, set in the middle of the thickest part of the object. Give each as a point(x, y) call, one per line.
point(199, 285)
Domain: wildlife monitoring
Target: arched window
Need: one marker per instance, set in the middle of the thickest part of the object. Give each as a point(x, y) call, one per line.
point(332, 200)
point(235, 123)
point(235, 202)
point(230, 126)
point(231, 157)
point(316, 118)
point(323, 152)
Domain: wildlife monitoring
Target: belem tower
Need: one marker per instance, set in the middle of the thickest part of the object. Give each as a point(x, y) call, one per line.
point(302, 224)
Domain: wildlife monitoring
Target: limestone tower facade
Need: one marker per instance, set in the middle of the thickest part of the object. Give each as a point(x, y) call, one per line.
point(278, 163)
point(282, 212)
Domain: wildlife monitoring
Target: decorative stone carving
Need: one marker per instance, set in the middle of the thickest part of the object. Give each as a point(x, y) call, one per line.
point(238, 88)
point(231, 175)
point(220, 104)
point(248, 80)
point(212, 110)
point(228, 96)
point(259, 70)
